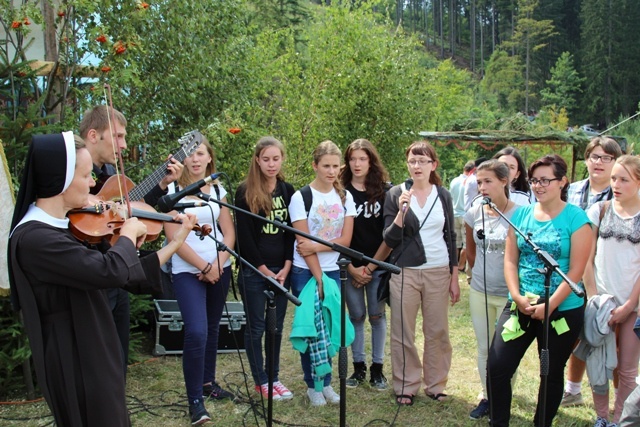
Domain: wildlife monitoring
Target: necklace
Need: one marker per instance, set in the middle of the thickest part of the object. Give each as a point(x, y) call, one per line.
point(494, 221)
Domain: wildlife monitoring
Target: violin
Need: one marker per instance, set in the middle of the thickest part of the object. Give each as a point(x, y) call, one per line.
point(103, 221)
point(118, 201)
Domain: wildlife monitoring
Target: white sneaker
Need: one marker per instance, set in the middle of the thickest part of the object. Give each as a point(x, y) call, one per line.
point(316, 398)
point(330, 395)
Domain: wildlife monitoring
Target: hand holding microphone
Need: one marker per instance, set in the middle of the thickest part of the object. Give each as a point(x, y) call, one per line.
point(407, 185)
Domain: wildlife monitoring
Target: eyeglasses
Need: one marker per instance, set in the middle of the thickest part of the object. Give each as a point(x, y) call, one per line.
point(421, 162)
point(543, 182)
point(604, 159)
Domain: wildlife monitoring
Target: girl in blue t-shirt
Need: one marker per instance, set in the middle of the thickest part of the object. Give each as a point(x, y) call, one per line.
point(563, 231)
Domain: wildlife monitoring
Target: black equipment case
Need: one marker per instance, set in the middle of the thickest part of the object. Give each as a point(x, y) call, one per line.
point(169, 330)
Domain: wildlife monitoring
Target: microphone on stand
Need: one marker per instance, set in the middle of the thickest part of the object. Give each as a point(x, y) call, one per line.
point(486, 200)
point(167, 202)
point(407, 184)
point(183, 206)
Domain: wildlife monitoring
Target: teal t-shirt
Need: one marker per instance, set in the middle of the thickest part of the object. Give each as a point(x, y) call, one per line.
point(553, 237)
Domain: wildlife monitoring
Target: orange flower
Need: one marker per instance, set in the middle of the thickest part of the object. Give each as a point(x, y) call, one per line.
point(101, 38)
point(142, 5)
point(26, 21)
point(105, 69)
point(16, 24)
point(235, 130)
point(61, 13)
point(21, 74)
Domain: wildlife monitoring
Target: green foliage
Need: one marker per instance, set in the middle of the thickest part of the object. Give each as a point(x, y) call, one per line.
point(503, 84)
point(14, 349)
point(564, 85)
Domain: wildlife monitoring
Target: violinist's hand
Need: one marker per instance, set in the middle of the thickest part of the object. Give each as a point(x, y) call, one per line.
point(92, 200)
point(174, 172)
point(188, 221)
point(134, 230)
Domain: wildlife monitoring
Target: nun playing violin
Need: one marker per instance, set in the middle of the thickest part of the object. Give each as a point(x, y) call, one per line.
point(60, 284)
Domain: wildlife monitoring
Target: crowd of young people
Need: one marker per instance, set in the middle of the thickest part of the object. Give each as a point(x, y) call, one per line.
point(350, 202)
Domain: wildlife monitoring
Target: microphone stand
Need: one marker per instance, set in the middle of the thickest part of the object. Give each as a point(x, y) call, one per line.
point(270, 320)
point(347, 254)
point(550, 266)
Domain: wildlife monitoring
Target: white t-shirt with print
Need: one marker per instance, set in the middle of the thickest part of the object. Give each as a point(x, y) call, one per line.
point(325, 221)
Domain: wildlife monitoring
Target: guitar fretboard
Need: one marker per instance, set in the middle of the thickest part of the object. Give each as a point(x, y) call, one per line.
point(140, 190)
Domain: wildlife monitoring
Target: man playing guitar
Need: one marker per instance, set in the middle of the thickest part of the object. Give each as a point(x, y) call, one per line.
point(101, 132)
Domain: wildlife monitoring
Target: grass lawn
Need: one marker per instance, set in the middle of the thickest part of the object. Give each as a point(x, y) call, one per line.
point(155, 390)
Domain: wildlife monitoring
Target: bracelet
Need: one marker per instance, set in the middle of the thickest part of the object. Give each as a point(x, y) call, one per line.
point(368, 269)
point(207, 268)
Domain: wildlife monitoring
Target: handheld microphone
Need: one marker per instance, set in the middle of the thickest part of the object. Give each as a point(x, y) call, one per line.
point(407, 184)
point(183, 206)
point(167, 202)
point(486, 200)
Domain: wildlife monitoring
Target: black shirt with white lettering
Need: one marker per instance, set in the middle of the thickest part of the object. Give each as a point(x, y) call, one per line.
point(368, 225)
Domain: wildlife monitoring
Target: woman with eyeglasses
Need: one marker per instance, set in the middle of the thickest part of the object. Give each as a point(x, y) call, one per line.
point(562, 230)
point(419, 227)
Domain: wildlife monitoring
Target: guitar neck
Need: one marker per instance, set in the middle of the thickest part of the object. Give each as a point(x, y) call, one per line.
point(152, 180)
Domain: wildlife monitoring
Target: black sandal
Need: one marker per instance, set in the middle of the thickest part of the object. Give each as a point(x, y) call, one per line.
point(404, 396)
point(440, 397)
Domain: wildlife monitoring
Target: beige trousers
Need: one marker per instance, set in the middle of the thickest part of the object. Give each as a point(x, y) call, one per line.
point(425, 290)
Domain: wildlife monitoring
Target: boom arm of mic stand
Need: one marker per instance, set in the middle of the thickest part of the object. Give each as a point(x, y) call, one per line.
point(544, 256)
point(353, 254)
point(271, 280)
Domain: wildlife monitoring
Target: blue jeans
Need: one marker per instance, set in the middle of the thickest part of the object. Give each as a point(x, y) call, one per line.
point(252, 288)
point(357, 313)
point(201, 305)
point(299, 278)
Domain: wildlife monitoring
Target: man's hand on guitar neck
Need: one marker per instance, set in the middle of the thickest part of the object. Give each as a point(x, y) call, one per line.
point(174, 172)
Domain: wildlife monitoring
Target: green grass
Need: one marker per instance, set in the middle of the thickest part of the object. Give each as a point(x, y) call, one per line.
point(156, 388)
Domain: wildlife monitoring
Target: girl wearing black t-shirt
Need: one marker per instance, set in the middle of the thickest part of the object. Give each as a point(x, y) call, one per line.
point(364, 176)
point(270, 250)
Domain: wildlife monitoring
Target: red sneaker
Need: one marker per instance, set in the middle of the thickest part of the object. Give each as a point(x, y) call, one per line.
point(264, 390)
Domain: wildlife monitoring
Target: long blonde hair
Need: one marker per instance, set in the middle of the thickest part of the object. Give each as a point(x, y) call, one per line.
point(186, 177)
point(257, 192)
point(329, 148)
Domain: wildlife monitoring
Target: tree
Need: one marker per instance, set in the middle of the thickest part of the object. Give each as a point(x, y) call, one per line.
point(530, 35)
point(564, 85)
point(502, 84)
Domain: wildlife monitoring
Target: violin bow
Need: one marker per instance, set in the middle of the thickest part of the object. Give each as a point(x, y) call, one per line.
point(111, 118)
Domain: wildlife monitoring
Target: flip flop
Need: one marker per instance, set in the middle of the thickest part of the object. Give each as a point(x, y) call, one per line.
point(404, 396)
point(440, 397)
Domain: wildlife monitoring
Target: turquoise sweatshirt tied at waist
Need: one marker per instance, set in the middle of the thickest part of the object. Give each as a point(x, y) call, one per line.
point(316, 327)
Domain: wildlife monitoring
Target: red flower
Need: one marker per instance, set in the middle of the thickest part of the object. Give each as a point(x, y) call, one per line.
point(16, 24)
point(105, 69)
point(61, 13)
point(26, 21)
point(21, 74)
point(92, 88)
point(142, 5)
point(101, 38)
point(235, 130)
point(119, 47)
